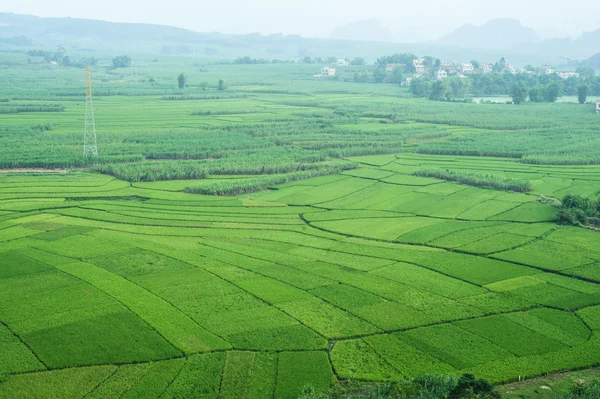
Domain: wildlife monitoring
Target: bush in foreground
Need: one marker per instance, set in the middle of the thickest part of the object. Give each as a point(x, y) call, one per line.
point(424, 387)
point(583, 390)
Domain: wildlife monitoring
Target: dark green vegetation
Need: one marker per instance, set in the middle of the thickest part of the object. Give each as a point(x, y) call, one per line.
point(428, 386)
point(126, 279)
point(478, 180)
point(580, 210)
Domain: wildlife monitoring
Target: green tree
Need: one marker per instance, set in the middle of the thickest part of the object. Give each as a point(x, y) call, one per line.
point(379, 75)
point(460, 87)
point(536, 94)
point(518, 92)
point(397, 76)
point(222, 85)
point(475, 64)
point(122, 61)
point(552, 91)
point(586, 72)
point(582, 93)
point(203, 86)
point(358, 61)
point(440, 90)
point(181, 80)
point(420, 87)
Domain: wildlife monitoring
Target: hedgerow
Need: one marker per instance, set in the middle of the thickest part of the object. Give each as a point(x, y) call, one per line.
point(478, 180)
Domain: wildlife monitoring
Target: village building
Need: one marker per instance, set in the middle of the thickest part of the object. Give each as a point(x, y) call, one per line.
point(512, 69)
point(467, 68)
point(327, 71)
point(392, 67)
point(441, 74)
point(446, 64)
point(419, 65)
point(406, 82)
point(342, 63)
point(548, 70)
point(567, 74)
point(598, 107)
point(486, 68)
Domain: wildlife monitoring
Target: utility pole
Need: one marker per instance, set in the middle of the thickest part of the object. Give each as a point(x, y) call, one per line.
point(90, 147)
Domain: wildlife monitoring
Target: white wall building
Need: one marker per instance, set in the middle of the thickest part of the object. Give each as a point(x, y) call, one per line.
point(567, 74)
point(419, 65)
point(549, 70)
point(467, 68)
point(342, 63)
point(446, 64)
point(598, 107)
point(486, 68)
point(327, 71)
point(512, 69)
point(441, 74)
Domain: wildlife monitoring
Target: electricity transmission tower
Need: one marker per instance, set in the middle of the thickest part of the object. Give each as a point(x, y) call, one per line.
point(90, 147)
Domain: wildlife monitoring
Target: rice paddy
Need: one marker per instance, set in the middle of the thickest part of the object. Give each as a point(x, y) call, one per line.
point(248, 254)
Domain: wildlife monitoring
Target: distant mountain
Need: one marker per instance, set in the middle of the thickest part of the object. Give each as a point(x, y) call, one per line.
point(593, 61)
point(367, 39)
point(588, 42)
point(495, 34)
point(367, 30)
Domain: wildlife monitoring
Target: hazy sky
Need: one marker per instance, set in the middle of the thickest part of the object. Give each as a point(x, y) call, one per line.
point(316, 18)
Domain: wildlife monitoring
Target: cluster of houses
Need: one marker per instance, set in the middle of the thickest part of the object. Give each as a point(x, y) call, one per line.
point(328, 71)
point(447, 69)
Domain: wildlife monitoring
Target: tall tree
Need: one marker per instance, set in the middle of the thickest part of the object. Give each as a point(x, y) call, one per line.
point(583, 93)
point(222, 85)
point(379, 75)
point(518, 92)
point(440, 90)
point(552, 91)
point(181, 80)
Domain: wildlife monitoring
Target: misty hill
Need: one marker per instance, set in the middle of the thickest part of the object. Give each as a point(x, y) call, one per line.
point(593, 62)
point(497, 34)
point(588, 41)
point(25, 32)
point(368, 30)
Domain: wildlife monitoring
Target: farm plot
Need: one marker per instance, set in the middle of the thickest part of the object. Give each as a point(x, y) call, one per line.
point(145, 291)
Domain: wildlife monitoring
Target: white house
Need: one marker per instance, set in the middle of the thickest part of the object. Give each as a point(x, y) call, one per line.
point(486, 68)
point(342, 63)
point(467, 68)
point(446, 64)
point(407, 82)
point(441, 74)
point(567, 74)
point(548, 70)
point(419, 65)
point(326, 71)
point(512, 69)
point(598, 107)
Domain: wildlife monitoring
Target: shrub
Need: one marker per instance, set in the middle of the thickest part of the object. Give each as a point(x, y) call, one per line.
point(577, 210)
point(583, 390)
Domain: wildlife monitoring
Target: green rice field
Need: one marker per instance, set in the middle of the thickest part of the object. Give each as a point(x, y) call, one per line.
point(324, 256)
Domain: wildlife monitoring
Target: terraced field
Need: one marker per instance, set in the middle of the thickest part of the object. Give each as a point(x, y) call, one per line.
point(110, 289)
